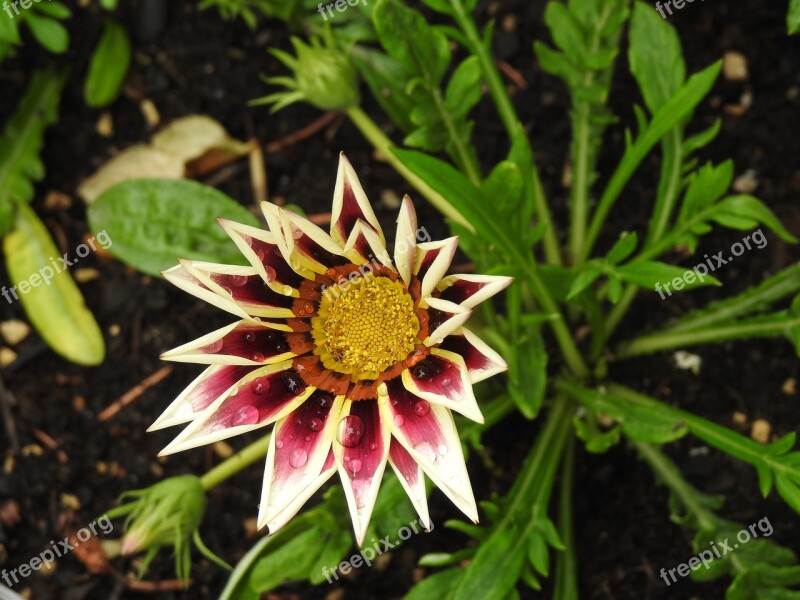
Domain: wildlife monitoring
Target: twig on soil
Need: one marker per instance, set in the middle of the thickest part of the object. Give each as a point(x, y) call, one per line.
point(302, 133)
point(6, 401)
point(134, 393)
point(171, 585)
point(319, 218)
point(50, 443)
point(512, 74)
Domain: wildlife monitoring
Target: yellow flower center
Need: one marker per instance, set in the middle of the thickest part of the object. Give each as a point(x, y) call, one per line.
point(365, 326)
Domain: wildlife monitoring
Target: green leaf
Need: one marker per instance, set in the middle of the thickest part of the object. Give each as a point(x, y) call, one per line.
point(22, 140)
point(587, 275)
point(386, 79)
point(51, 34)
point(54, 305)
point(289, 561)
point(527, 379)
point(464, 88)
point(438, 586)
point(56, 10)
point(108, 66)
point(503, 188)
point(623, 248)
point(9, 33)
point(702, 139)
point(155, 222)
point(495, 568)
point(706, 186)
point(752, 212)
point(648, 274)
point(109, 4)
point(655, 56)
point(793, 17)
point(566, 31)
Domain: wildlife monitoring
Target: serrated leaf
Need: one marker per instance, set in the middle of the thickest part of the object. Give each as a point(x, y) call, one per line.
point(655, 56)
point(54, 306)
point(585, 277)
point(623, 248)
point(464, 88)
point(108, 67)
point(749, 207)
point(649, 274)
point(155, 222)
point(22, 140)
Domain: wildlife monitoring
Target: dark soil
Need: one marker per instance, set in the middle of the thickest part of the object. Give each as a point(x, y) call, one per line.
point(197, 64)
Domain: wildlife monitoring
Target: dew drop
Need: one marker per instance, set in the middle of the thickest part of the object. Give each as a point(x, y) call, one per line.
point(246, 415)
point(421, 371)
point(270, 272)
point(238, 280)
point(373, 446)
point(445, 381)
point(260, 254)
point(350, 431)
point(442, 449)
point(295, 265)
point(250, 336)
point(259, 385)
point(354, 466)
point(325, 401)
point(308, 307)
point(293, 382)
point(279, 444)
point(298, 458)
point(308, 438)
point(213, 347)
point(426, 450)
point(297, 233)
point(399, 420)
point(422, 408)
point(287, 290)
point(257, 357)
point(234, 391)
point(227, 290)
point(315, 424)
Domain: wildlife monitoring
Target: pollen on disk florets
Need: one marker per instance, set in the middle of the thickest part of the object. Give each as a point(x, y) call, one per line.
point(365, 329)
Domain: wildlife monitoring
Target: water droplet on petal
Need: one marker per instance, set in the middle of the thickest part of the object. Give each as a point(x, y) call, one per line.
point(295, 265)
point(399, 420)
point(246, 415)
point(213, 347)
point(445, 381)
point(373, 446)
point(422, 408)
point(325, 400)
point(354, 466)
point(426, 450)
point(257, 357)
point(234, 390)
point(298, 458)
point(260, 254)
point(259, 386)
point(315, 424)
point(442, 449)
point(293, 382)
point(270, 272)
point(350, 431)
point(308, 438)
point(287, 290)
point(297, 233)
point(227, 290)
point(250, 336)
point(238, 280)
point(279, 444)
point(421, 371)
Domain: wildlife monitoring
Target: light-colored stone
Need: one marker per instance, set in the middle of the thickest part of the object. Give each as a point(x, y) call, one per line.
point(734, 66)
point(760, 431)
point(14, 331)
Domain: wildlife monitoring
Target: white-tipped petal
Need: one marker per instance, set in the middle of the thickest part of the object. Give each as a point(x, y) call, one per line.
point(215, 381)
point(446, 316)
point(411, 478)
point(428, 433)
point(262, 397)
point(471, 290)
point(405, 242)
point(184, 277)
point(481, 360)
point(364, 246)
point(361, 448)
point(300, 444)
point(433, 260)
point(443, 378)
point(253, 343)
point(350, 205)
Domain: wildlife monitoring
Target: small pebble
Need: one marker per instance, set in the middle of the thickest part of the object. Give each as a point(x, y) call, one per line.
point(150, 112)
point(760, 431)
point(105, 125)
point(14, 331)
point(86, 274)
point(789, 386)
point(734, 66)
point(55, 200)
point(739, 418)
point(70, 501)
point(688, 361)
point(746, 183)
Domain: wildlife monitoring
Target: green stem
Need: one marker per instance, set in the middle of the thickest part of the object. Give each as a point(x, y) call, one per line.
point(579, 192)
point(383, 145)
point(466, 159)
point(671, 176)
point(236, 463)
point(668, 338)
point(672, 478)
point(511, 122)
point(542, 461)
point(566, 585)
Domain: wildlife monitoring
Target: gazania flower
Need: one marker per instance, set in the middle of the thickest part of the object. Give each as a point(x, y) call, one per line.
point(356, 358)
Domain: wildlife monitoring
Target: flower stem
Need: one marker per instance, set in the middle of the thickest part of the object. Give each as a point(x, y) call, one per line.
point(384, 145)
point(236, 463)
point(567, 565)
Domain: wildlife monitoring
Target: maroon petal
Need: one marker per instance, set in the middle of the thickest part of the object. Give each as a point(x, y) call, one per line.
point(411, 478)
point(482, 362)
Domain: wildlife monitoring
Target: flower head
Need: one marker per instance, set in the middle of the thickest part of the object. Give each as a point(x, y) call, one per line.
point(357, 358)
